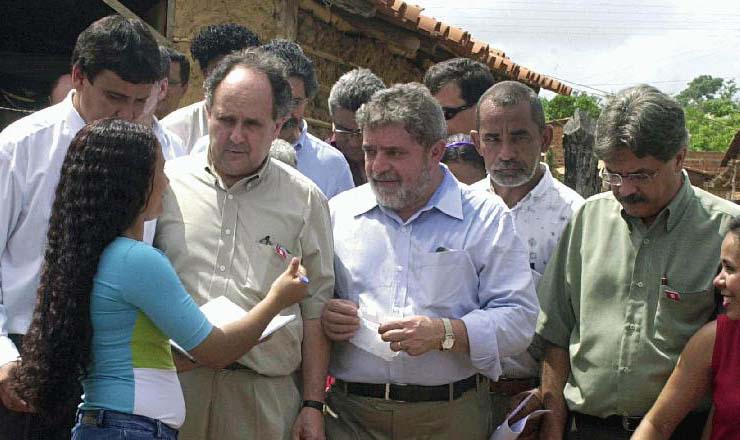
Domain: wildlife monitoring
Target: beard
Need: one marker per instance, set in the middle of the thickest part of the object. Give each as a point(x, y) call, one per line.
point(291, 130)
point(406, 195)
point(511, 179)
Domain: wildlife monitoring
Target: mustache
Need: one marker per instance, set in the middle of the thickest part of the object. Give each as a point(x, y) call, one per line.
point(291, 123)
point(632, 199)
point(508, 165)
point(387, 175)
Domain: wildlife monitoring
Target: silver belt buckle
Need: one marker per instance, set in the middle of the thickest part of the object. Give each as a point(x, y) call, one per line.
point(387, 391)
point(627, 423)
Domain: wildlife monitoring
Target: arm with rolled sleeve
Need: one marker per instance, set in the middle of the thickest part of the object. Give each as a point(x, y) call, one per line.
point(11, 202)
point(504, 324)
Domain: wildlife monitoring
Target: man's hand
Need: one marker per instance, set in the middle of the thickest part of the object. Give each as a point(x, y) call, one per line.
point(309, 425)
point(9, 398)
point(415, 335)
point(531, 429)
point(339, 319)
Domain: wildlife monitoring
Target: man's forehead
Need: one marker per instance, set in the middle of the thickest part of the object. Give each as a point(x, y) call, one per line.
point(111, 82)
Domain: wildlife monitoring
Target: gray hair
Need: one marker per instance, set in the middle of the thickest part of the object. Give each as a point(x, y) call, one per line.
point(511, 93)
point(284, 152)
point(260, 61)
point(409, 104)
point(353, 89)
point(643, 120)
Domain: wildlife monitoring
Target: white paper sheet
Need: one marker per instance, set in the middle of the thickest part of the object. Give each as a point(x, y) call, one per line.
point(507, 431)
point(367, 337)
point(221, 311)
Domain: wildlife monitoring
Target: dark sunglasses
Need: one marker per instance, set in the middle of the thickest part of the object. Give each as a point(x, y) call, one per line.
point(451, 112)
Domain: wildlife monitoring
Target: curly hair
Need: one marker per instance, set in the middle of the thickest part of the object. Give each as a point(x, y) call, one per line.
point(217, 40)
point(106, 179)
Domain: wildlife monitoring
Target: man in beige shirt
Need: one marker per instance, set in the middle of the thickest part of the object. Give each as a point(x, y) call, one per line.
point(228, 215)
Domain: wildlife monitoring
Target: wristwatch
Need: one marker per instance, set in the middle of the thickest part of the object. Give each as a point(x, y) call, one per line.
point(449, 341)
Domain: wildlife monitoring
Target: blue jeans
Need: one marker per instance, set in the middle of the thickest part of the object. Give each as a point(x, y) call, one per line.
point(112, 425)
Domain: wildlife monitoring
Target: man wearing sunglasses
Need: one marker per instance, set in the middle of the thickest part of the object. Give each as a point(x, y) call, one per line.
point(631, 278)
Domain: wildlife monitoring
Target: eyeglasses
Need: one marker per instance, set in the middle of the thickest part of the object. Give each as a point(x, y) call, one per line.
point(616, 180)
point(295, 102)
point(357, 132)
point(451, 112)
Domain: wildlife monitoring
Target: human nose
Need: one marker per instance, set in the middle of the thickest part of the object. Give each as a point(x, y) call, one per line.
point(626, 188)
point(127, 112)
point(379, 164)
point(719, 280)
point(236, 136)
point(507, 151)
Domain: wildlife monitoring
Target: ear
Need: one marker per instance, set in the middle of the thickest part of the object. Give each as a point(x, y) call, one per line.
point(475, 136)
point(77, 77)
point(546, 139)
point(437, 150)
point(279, 126)
point(163, 86)
point(679, 159)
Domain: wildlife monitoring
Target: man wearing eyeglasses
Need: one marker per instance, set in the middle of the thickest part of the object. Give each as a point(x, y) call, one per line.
point(317, 160)
point(351, 90)
point(631, 278)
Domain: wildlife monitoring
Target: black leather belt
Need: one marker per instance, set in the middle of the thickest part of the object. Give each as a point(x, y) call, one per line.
point(409, 393)
point(236, 366)
point(627, 423)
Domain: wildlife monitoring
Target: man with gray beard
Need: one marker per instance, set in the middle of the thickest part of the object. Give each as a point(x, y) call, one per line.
point(425, 310)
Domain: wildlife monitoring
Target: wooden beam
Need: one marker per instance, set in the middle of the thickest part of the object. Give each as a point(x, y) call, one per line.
point(318, 123)
point(170, 31)
point(327, 56)
point(128, 13)
point(286, 12)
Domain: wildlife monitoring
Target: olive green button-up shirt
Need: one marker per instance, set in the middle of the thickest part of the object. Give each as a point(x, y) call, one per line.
point(222, 242)
point(624, 298)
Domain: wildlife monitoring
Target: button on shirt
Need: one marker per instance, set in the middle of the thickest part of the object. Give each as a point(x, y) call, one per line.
point(322, 163)
point(540, 217)
point(32, 151)
point(222, 241)
point(457, 257)
point(606, 296)
point(189, 123)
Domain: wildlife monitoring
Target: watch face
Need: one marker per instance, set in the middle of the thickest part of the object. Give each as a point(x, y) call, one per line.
point(448, 343)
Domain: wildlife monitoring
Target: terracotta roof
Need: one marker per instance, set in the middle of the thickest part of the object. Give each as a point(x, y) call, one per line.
point(463, 44)
point(733, 149)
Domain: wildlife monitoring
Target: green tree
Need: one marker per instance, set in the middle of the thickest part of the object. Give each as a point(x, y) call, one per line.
point(561, 107)
point(700, 89)
point(712, 111)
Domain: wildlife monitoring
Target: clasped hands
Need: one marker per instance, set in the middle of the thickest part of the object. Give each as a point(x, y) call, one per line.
point(415, 335)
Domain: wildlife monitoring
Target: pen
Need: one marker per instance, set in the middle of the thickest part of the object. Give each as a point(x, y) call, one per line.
point(664, 281)
point(283, 253)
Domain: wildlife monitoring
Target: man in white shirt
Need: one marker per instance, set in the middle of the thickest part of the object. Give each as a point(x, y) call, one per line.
point(317, 160)
point(511, 137)
point(212, 43)
point(115, 64)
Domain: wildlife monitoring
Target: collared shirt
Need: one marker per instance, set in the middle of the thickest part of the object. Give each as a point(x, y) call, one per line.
point(457, 257)
point(222, 241)
point(624, 298)
point(540, 217)
point(171, 143)
point(189, 123)
point(322, 163)
point(32, 151)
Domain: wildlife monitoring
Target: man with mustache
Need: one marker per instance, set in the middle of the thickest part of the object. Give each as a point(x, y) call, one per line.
point(441, 291)
point(631, 278)
point(317, 160)
point(511, 136)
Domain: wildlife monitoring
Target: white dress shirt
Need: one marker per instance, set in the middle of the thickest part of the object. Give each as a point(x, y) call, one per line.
point(188, 123)
point(322, 163)
point(32, 151)
point(540, 218)
point(457, 257)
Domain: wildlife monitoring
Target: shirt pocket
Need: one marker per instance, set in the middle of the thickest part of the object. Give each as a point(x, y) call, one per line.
point(446, 281)
point(679, 314)
point(264, 267)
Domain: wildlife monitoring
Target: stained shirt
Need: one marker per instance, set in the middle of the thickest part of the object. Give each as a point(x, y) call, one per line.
point(540, 217)
point(322, 163)
point(457, 257)
point(221, 241)
point(624, 298)
point(32, 151)
point(189, 123)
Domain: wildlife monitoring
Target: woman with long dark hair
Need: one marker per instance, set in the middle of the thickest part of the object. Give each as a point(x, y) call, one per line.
point(108, 303)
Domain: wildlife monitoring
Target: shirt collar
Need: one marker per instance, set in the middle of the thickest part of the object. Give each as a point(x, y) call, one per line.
point(447, 198)
point(243, 184)
point(73, 117)
point(303, 138)
point(542, 187)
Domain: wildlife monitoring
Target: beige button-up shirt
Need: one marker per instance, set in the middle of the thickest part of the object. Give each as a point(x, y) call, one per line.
point(222, 242)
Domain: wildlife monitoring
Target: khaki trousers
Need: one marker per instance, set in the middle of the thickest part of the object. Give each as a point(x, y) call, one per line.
point(368, 418)
point(238, 405)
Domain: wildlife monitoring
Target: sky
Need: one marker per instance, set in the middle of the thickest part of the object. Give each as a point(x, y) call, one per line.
point(602, 46)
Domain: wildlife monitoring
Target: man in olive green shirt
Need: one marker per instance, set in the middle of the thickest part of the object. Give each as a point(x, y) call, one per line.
point(631, 279)
point(231, 217)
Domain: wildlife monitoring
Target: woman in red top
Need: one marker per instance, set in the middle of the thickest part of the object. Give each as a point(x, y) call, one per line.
point(700, 370)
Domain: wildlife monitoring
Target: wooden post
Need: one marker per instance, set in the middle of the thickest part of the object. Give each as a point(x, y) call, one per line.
point(287, 17)
point(581, 166)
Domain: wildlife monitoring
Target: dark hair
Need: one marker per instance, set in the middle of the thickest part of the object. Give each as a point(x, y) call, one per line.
point(511, 93)
point(261, 61)
point(460, 148)
point(218, 40)
point(298, 63)
point(472, 77)
point(643, 120)
point(164, 57)
point(123, 46)
point(178, 57)
point(734, 226)
point(106, 179)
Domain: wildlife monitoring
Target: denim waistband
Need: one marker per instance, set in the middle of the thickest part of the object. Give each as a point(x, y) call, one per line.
point(114, 419)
